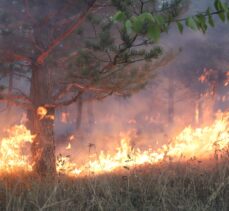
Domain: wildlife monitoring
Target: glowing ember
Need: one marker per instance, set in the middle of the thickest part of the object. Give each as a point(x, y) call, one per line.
point(41, 112)
point(13, 153)
point(64, 117)
point(69, 146)
point(72, 137)
point(226, 82)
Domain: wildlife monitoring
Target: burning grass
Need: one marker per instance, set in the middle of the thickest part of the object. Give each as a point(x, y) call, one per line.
point(13, 149)
point(190, 173)
point(201, 143)
point(192, 185)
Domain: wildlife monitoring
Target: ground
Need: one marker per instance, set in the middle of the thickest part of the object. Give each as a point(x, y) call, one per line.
point(193, 185)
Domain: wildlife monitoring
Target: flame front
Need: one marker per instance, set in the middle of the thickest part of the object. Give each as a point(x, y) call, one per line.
point(13, 153)
point(200, 143)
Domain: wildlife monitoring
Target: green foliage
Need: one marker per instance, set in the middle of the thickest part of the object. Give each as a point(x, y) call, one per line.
point(123, 5)
point(153, 24)
point(210, 18)
point(129, 36)
point(203, 20)
point(119, 16)
point(108, 44)
point(128, 26)
point(154, 32)
point(180, 26)
point(153, 53)
point(191, 23)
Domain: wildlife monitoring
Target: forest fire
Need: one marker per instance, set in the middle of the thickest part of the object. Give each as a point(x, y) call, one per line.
point(13, 149)
point(114, 105)
point(200, 143)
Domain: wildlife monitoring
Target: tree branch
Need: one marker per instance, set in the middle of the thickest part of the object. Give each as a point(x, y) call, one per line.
point(65, 103)
point(203, 13)
point(16, 100)
point(28, 13)
point(9, 56)
point(80, 87)
point(41, 58)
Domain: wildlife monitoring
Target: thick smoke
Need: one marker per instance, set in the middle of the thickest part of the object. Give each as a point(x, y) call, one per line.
point(148, 116)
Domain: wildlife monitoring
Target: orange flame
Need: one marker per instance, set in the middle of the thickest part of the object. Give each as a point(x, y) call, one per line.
point(11, 149)
point(72, 137)
point(64, 117)
point(200, 143)
point(226, 82)
point(69, 146)
point(41, 112)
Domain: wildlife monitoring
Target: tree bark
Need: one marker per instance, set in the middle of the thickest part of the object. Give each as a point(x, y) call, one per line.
point(90, 113)
point(79, 113)
point(10, 88)
point(43, 146)
point(171, 96)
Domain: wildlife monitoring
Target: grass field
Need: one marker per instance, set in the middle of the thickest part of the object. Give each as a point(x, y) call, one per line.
point(192, 185)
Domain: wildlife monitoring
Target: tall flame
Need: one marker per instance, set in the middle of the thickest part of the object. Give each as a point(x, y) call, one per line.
point(13, 153)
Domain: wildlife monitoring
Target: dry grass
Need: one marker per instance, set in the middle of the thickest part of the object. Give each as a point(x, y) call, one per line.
point(186, 186)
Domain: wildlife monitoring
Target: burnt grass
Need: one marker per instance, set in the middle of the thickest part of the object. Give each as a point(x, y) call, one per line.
point(193, 185)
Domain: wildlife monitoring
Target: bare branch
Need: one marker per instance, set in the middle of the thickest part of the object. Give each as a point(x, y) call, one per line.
point(9, 56)
point(66, 102)
point(20, 92)
point(41, 58)
point(28, 13)
point(16, 100)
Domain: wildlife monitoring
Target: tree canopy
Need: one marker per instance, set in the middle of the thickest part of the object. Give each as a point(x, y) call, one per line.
point(92, 45)
point(69, 50)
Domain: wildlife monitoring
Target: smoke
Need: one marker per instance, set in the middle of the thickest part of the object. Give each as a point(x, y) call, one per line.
point(145, 115)
point(155, 114)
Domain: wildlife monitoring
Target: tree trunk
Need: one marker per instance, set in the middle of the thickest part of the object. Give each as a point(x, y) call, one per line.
point(43, 147)
point(90, 113)
point(171, 93)
point(79, 113)
point(10, 89)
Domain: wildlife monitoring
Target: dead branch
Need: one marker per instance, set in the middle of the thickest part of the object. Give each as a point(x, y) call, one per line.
point(9, 56)
point(41, 58)
point(66, 102)
point(16, 100)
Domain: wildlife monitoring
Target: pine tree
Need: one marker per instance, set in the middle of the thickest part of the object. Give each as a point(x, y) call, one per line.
point(89, 49)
